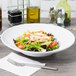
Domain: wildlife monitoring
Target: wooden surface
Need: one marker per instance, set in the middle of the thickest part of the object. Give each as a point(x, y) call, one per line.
point(65, 61)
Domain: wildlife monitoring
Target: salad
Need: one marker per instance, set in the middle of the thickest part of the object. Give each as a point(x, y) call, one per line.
point(38, 41)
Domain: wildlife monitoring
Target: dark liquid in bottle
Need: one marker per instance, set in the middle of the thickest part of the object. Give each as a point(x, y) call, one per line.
point(0, 19)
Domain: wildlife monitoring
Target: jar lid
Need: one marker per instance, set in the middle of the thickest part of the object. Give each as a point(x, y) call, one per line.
point(14, 12)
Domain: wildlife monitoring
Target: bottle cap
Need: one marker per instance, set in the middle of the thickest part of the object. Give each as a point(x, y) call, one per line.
point(52, 8)
point(14, 12)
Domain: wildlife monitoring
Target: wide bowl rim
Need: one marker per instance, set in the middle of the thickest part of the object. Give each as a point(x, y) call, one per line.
point(19, 50)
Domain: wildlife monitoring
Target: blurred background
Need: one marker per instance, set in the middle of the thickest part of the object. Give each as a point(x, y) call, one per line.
point(45, 7)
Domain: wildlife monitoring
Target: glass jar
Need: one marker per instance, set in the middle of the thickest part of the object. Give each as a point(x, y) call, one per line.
point(15, 12)
point(66, 10)
point(33, 11)
point(0, 18)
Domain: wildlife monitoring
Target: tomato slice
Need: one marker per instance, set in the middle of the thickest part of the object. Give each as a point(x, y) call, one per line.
point(18, 43)
point(21, 47)
point(53, 44)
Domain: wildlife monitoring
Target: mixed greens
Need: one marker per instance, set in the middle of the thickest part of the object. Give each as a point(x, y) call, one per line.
point(38, 41)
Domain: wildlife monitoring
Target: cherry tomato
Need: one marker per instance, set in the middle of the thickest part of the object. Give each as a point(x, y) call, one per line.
point(18, 43)
point(53, 44)
point(21, 47)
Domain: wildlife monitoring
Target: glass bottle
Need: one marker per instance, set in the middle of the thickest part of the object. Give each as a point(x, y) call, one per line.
point(0, 19)
point(60, 18)
point(33, 11)
point(15, 12)
point(52, 15)
point(66, 8)
point(67, 20)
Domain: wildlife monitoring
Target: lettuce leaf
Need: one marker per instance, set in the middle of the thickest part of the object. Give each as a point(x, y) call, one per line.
point(34, 47)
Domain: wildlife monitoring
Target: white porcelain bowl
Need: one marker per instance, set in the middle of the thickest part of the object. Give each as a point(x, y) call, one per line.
point(66, 38)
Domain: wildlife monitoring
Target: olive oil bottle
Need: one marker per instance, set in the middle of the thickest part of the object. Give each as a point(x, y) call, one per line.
point(33, 15)
point(33, 11)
